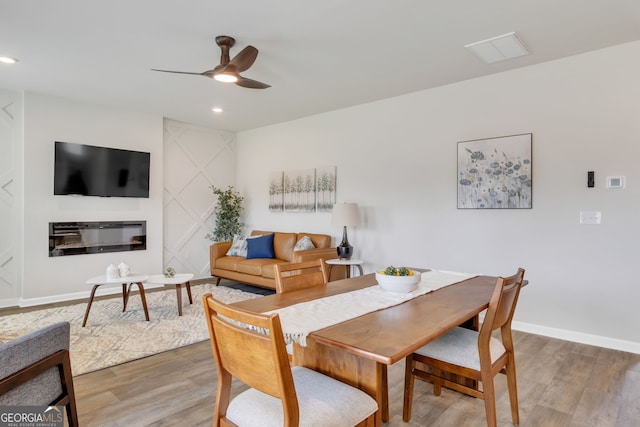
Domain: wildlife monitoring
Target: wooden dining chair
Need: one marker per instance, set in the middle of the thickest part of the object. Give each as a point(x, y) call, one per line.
point(293, 276)
point(36, 370)
point(476, 355)
point(251, 348)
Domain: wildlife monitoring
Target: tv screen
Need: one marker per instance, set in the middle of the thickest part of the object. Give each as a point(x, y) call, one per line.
point(100, 171)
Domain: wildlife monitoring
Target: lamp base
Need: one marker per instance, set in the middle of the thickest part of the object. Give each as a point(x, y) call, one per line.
point(345, 250)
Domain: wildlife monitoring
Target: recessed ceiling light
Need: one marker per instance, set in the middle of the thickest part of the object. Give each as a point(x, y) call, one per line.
point(8, 60)
point(217, 110)
point(499, 48)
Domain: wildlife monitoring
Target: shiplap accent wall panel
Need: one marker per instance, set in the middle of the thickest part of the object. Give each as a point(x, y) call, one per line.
point(8, 278)
point(195, 158)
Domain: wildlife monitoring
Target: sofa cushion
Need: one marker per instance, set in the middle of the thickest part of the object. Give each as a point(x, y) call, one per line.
point(303, 244)
point(260, 247)
point(319, 240)
point(256, 266)
point(228, 262)
point(283, 244)
point(238, 247)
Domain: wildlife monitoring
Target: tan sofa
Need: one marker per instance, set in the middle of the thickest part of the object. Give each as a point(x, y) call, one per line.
point(260, 271)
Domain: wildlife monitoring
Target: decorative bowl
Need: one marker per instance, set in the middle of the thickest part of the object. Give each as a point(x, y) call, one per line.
point(401, 284)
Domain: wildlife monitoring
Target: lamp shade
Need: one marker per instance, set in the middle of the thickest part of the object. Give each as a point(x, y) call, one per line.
point(345, 214)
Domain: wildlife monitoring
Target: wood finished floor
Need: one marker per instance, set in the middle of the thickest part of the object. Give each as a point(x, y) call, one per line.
point(559, 384)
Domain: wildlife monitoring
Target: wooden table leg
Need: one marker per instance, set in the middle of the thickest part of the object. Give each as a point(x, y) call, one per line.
point(179, 295)
point(142, 297)
point(144, 300)
point(188, 286)
point(125, 296)
point(384, 406)
point(86, 313)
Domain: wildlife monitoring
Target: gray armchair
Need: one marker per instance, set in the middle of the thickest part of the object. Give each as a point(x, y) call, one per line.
point(36, 370)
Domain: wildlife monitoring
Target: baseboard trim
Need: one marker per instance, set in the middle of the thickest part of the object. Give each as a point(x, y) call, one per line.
point(80, 296)
point(578, 337)
point(9, 302)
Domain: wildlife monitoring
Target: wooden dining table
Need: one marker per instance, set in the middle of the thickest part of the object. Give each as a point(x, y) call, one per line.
point(358, 351)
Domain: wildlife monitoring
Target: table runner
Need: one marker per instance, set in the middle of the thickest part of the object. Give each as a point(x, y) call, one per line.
point(301, 319)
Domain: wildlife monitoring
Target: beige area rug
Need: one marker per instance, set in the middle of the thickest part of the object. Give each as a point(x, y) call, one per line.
point(112, 337)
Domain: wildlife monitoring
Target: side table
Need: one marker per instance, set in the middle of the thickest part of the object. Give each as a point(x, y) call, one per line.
point(132, 279)
point(178, 280)
point(346, 262)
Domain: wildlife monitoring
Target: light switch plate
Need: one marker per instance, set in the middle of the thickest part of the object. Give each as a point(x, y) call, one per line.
point(590, 217)
point(615, 182)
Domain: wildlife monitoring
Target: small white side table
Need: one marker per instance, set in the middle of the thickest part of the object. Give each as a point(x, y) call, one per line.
point(132, 279)
point(346, 262)
point(178, 280)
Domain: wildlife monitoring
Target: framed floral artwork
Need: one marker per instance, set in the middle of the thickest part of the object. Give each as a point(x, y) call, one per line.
point(495, 173)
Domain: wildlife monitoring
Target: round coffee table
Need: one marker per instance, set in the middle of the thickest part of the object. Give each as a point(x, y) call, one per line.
point(178, 280)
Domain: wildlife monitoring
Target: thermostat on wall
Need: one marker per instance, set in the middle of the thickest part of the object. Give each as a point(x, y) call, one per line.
point(615, 182)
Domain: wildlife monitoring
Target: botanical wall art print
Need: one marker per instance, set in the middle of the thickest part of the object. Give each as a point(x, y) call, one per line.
point(495, 173)
point(276, 191)
point(300, 190)
point(325, 188)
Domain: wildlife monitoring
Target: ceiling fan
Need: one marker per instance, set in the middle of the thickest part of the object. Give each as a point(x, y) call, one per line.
point(229, 69)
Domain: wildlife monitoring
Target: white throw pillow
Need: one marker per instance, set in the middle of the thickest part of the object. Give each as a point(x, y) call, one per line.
point(304, 244)
point(238, 247)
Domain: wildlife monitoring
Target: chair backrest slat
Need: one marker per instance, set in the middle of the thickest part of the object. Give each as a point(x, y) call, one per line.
point(502, 304)
point(301, 275)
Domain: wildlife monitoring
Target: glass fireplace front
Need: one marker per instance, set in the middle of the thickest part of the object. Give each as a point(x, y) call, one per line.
point(76, 238)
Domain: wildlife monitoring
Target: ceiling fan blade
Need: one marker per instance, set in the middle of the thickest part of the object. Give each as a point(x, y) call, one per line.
point(183, 72)
point(245, 59)
point(251, 84)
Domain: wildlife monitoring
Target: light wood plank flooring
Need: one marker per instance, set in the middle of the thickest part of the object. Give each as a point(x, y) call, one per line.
point(559, 383)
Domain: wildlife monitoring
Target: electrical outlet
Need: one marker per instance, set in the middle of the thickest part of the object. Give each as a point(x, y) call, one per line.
point(590, 217)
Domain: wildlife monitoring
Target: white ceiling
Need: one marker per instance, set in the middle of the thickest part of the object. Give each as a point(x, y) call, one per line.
point(317, 55)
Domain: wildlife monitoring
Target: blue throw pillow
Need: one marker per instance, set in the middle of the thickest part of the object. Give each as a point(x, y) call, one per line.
point(260, 247)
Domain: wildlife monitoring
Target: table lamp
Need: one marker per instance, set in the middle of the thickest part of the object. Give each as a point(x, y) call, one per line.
point(345, 214)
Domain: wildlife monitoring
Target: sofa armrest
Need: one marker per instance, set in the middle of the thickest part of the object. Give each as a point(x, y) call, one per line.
point(313, 254)
point(218, 250)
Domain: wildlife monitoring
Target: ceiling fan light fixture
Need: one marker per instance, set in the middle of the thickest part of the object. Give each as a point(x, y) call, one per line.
point(8, 60)
point(226, 77)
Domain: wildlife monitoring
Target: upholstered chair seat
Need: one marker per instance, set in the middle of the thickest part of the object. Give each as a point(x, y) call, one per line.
point(323, 401)
point(460, 347)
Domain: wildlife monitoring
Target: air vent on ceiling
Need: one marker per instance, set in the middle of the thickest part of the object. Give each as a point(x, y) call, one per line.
point(499, 48)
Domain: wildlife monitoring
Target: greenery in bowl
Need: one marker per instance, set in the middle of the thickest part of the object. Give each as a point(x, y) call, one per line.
point(399, 271)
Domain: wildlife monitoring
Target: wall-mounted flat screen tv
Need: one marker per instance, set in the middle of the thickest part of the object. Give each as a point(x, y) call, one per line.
point(88, 170)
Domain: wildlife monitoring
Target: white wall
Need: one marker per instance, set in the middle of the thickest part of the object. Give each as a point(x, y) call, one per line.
point(46, 120)
point(397, 159)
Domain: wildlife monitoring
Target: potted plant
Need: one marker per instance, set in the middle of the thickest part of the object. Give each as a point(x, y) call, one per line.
point(227, 212)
